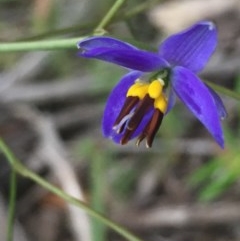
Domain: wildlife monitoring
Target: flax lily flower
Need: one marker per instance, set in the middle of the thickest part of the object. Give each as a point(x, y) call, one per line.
point(136, 105)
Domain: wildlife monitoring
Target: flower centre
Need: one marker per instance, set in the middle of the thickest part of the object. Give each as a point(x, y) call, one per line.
point(142, 112)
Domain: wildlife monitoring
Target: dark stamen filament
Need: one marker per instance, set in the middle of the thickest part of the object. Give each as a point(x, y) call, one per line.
point(142, 108)
point(134, 121)
point(151, 128)
point(127, 135)
point(131, 115)
point(130, 102)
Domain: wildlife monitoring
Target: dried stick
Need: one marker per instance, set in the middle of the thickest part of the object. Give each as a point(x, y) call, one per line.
point(181, 216)
point(52, 153)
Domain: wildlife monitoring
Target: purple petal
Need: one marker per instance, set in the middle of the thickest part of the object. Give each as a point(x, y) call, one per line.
point(196, 96)
point(222, 113)
point(120, 53)
point(192, 47)
point(99, 42)
point(171, 100)
point(115, 103)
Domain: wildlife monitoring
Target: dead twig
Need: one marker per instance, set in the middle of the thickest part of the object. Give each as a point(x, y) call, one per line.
point(77, 116)
point(181, 216)
point(28, 66)
point(53, 91)
point(53, 154)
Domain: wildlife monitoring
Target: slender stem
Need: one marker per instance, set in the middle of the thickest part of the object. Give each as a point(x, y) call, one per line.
point(224, 90)
point(79, 28)
point(110, 14)
point(12, 202)
point(140, 8)
point(87, 27)
point(63, 43)
point(40, 45)
point(70, 43)
point(22, 170)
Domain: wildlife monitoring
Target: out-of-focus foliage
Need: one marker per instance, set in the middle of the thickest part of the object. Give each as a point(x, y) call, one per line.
point(220, 172)
point(183, 168)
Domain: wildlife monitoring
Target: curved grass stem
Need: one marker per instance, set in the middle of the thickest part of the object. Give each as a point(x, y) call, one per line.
point(11, 205)
point(22, 170)
point(109, 15)
point(60, 44)
point(40, 45)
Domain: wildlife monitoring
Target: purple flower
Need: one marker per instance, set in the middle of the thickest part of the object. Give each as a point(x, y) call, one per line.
point(138, 103)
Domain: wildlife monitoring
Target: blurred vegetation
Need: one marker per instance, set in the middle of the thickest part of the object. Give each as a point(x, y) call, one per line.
point(216, 176)
point(176, 171)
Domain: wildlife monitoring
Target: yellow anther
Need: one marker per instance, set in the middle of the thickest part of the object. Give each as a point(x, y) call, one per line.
point(155, 89)
point(161, 103)
point(138, 89)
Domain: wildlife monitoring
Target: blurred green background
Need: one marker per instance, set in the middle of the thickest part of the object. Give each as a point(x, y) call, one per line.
point(183, 188)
